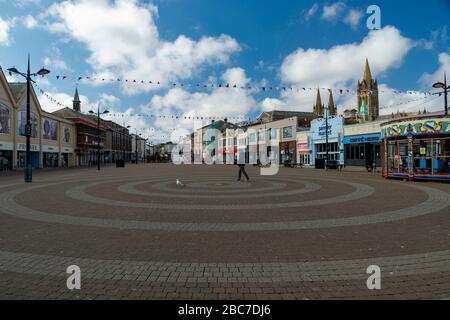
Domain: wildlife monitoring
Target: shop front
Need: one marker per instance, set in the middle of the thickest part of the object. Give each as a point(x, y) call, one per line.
point(363, 150)
point(288, 152)
point(21, 155)
point(303, 154)
point(67, 157)
point(6, 156)
point(319, 135)
point(416, 148)
point(303, 149)
point(50, 157)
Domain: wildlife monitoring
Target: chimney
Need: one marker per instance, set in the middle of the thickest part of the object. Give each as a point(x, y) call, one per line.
point(225, 120)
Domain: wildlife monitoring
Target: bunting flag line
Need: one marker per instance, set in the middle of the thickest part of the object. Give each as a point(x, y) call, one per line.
point(255, 88)
point(434, 95)
point(178, 117)
point(123, 115)
point(211, 117)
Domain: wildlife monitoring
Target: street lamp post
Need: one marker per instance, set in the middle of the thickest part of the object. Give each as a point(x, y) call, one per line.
point(326, 136)
point(98, 133)
point(124, 154)
point(440, 85)
point(136, 145)
point(42, 72)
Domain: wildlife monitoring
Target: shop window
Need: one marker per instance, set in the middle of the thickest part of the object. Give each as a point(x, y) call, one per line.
point(287, 132)
point(441, 158)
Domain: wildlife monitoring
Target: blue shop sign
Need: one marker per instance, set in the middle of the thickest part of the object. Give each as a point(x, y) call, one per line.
point(319, 128)
point(365, 138)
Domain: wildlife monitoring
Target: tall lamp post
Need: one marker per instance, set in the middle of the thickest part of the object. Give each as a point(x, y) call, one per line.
point(326, 137)
point(42, 72)
point(127, 127)
point(98, 133)
point(136, 145)
point(440, 85)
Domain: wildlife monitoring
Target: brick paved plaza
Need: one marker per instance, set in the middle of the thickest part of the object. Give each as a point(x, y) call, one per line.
point(301, 234)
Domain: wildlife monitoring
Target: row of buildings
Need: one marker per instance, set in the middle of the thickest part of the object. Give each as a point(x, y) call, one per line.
point(64, 138)
point(356, 137)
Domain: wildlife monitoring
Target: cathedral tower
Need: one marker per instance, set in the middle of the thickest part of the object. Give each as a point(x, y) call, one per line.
point(368, 105)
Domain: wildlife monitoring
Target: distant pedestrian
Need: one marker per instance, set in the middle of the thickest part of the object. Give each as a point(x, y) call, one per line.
point(242, 171)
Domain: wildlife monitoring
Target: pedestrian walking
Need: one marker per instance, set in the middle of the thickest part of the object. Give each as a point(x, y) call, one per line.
point(242, 171)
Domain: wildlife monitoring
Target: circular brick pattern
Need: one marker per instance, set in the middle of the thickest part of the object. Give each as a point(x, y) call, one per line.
point(231, 194)
point(437, 200)
point(421, 268)
point(361, 191)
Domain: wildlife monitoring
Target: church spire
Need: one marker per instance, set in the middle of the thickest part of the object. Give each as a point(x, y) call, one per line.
point(318, 107)
point(76, 101)
point(367, 73)
point(331, 106)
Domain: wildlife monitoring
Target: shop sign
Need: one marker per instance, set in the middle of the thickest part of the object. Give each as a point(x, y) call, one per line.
point(366, 138)
point(417, 127)
point(67, 150)
point(50, 149)
point(6, 146)
point(319, 129)
point(303, 147)
point(23, 147)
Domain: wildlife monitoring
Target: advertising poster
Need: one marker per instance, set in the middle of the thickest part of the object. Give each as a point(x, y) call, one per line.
point(5, 120)
point(49, 129)
point(22, 121)
point(66, 134)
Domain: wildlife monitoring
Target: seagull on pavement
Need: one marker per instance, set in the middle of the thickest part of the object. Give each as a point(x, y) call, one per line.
point(180, 184)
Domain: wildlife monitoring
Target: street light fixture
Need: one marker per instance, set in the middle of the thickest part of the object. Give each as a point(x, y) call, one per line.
point(440, 85)
point(98, 133)
point(42, 72)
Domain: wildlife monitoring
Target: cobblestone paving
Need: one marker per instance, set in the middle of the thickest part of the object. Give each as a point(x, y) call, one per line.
point(302, 234)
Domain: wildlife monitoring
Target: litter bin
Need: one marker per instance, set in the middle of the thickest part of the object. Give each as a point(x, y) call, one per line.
point(319, 164)
point(120, 164)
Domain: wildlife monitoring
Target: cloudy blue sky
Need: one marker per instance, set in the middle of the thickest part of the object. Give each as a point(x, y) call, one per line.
point(248, 43)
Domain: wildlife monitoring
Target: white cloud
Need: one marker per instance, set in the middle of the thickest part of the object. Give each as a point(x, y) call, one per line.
point(232, 103)
point(427, 79)
point(63, 98)
point(340, 67)
point(108, 100)
point(333, 12)
point(312, 11)
point(24, 3)
point(55, 63)
point(30, 22)
point(235, 76)
point(353, 17)
point(384, 48)
point(123, 40)
point(5, 28)
point(341, 12)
